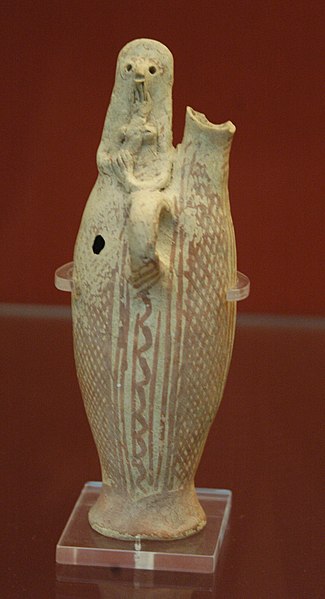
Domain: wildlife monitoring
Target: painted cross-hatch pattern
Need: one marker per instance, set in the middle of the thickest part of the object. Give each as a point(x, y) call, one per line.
point(152, 366)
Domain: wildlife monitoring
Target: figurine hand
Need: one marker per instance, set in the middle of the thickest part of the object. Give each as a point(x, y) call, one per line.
point(122, 166)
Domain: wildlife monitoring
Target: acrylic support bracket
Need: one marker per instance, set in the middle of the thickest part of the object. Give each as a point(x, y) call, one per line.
point(63, 282)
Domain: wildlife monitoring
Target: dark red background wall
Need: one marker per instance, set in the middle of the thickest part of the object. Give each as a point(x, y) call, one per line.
point(256, 63)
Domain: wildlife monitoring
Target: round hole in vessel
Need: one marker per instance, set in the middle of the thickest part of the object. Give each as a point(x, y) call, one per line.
point(99, 244)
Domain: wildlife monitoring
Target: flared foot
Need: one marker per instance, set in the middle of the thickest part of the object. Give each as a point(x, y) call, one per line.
point(165, 516)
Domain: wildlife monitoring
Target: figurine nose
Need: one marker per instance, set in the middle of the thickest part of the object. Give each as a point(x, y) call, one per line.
point(139, 74)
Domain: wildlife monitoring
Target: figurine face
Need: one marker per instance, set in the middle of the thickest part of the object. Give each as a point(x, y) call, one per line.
point(139, 68)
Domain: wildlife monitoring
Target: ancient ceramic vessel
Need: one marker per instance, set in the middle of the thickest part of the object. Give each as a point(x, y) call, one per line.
point(153, 330)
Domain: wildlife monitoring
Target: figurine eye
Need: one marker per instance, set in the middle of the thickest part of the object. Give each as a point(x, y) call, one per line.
point(98, 244)
point(152, 70)
point(126, 69)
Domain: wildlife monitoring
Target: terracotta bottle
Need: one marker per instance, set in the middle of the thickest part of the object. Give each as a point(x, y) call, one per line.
point(153, 329)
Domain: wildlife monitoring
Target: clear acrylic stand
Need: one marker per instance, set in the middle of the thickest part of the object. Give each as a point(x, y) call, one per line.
point(81, 545)
point(63, 282)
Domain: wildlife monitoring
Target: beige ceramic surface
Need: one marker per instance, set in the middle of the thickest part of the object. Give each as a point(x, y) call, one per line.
point(153, 330)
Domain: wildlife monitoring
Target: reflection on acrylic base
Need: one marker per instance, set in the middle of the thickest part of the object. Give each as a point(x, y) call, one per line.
point(80, 545)
point(74, 582)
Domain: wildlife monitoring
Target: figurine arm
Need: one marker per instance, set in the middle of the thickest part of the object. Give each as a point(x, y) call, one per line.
point(122, 162)
point(123, 165)
point(102, 159)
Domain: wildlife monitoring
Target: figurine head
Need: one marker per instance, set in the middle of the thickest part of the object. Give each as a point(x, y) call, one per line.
point(144, 74)
point(145, 61)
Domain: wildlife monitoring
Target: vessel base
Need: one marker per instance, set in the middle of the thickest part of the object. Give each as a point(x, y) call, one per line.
point(164, 516)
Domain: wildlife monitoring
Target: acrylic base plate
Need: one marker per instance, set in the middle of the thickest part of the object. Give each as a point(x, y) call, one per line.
point(81, 545)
